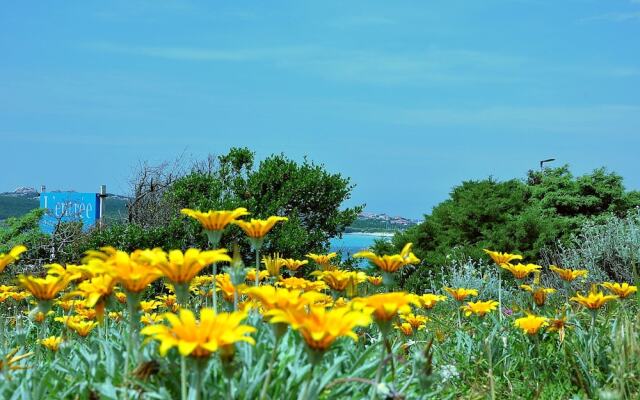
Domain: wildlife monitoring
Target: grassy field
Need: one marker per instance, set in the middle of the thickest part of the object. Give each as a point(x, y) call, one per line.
point(313, 330)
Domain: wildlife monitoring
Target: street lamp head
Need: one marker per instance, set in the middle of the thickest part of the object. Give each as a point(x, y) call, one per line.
point(546, 161)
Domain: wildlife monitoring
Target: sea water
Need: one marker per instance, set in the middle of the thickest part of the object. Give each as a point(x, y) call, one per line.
point(353, 242)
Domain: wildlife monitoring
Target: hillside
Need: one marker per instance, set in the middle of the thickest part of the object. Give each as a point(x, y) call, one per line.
point(369, 222)
point(15, 206)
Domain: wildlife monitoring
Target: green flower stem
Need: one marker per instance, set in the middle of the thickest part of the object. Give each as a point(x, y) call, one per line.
point(305, 396)
point(18, 326)
point(42, 333)
point(492, 389)
point(535, 354)
point(214, 295)
point(182, 293)
point(43, 307)
point(388, 280)
point(226, 358)
point(387, 344)
point(199, 372)
point(65, 333)
point(105, 323)
point(2, 312)
point(183, 378)
point(592, 336)
point(567, 288)
point(256, 243)
point(133, 302)
point(257, 265)
point(214, 238)
point(272, 360)
point(533, 305)
point(214, 241)
point(500, 295)
point(229, 388)
point(235, 299)
point(379, 372)
point(385, 329)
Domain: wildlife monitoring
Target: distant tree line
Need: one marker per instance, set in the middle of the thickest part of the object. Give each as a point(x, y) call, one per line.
point(305, 192)
point(363, 224)
point(527, 216)
point(531, 216)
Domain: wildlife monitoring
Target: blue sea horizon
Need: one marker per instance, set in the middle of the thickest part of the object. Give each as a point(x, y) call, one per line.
point(351, 243)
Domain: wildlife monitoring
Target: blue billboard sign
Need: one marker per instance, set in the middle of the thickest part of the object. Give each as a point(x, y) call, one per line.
point(69, 206)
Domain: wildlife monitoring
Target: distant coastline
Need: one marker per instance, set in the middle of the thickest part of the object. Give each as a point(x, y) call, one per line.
point(377, 234)
point(354, 242)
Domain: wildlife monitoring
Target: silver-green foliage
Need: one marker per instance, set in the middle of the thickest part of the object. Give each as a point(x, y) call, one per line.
point(610, 250)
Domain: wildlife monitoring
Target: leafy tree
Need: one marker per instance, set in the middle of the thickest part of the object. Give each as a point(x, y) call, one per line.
point(304, 191)
point(523, 216)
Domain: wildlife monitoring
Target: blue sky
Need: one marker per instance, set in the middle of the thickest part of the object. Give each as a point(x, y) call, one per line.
point(406, 98)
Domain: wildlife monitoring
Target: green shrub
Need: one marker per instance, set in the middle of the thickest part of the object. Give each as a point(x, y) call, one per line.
point(609, 249)
point(309, 195)
point(545, 210)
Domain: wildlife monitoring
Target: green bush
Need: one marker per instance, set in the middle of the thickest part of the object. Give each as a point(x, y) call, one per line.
point(609, 249)
point(523, 216)
point(306, 193)
point(24, 230)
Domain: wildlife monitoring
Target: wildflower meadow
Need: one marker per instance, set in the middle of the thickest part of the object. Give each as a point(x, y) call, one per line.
point(201, 324)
